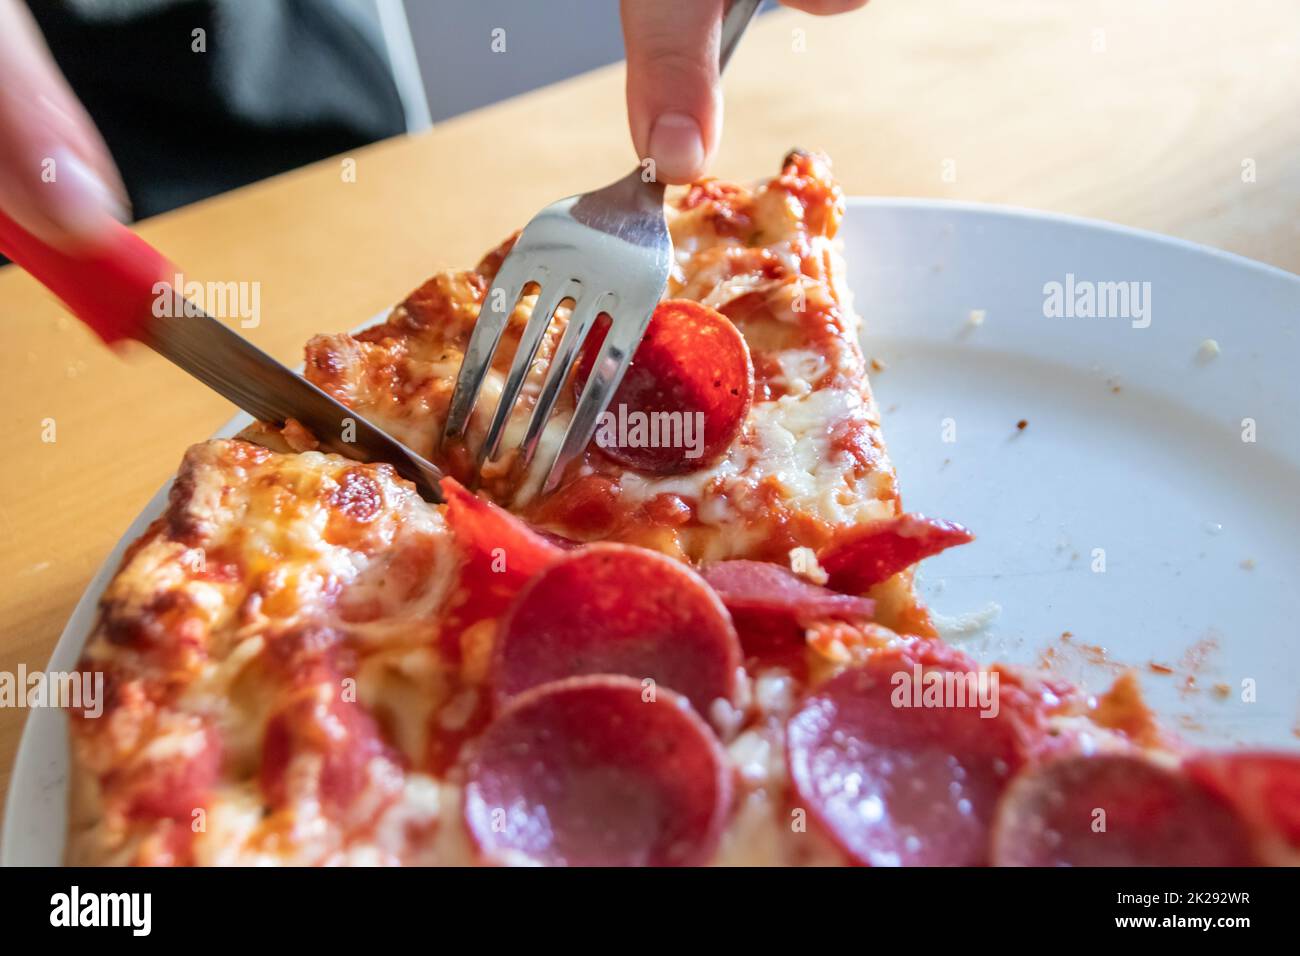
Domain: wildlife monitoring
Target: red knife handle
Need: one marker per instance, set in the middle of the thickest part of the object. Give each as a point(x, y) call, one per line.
point(112, 287)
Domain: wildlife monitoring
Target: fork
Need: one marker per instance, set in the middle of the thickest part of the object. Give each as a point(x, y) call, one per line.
point(607, 252)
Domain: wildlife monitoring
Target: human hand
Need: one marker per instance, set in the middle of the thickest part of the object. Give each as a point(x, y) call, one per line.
point(674, 103)
point(57, 178)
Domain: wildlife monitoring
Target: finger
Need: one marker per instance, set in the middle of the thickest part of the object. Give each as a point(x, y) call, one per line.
point(56, 176)
point(824, 8)
point(673, 105)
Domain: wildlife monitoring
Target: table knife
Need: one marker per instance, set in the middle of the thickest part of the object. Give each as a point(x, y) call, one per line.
point(123, 289)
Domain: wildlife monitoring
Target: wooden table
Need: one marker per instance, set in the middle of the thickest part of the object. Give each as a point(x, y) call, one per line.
point(1138, 112)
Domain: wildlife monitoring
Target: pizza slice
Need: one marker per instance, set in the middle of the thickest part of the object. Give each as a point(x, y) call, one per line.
point(745, 429)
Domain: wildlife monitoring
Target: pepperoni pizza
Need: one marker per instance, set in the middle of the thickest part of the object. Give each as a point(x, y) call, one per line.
point(702, 648)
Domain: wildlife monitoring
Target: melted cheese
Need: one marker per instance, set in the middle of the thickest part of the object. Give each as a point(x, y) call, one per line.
point(287, 542)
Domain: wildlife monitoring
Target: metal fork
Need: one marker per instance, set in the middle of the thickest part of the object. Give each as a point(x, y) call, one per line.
point(609, 252)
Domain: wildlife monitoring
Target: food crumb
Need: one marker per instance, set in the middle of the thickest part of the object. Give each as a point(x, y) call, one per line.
point(1208, 350)
point(298, 436)
point(1248, 564)
point(1222, 691)
point(877, 365)
point(1196, 656)
point(1022, 424)
point(1159, 668)
point(1190, 723)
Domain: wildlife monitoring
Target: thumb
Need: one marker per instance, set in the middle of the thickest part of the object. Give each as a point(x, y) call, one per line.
point(674, 107)
point(56, 176)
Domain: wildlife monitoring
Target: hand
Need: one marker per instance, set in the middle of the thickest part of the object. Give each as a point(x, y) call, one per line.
point(56, 176)
point(674, 104)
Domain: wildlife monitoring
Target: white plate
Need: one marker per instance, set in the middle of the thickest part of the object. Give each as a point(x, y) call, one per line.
point(1155, 474)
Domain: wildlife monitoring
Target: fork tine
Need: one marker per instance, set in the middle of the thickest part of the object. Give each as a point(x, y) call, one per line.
point(582, 318)
point(483, 341)
point(548, 300)
point(611, 364)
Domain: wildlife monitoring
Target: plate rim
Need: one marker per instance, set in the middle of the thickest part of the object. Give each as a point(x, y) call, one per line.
point(1007, 211)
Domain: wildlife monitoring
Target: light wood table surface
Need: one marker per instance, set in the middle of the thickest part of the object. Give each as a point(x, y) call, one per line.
point(1136, 111)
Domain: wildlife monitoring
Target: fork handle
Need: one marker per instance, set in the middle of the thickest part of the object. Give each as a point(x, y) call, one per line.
point(111, 288)
point(734, 22)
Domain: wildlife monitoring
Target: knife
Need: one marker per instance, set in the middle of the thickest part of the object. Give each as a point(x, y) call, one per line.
point(122, 289)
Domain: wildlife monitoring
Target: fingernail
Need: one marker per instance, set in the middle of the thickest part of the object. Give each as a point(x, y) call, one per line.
point(676, 146)
point(79, 201)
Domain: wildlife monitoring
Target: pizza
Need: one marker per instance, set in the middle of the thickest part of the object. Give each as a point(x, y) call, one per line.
point(702, 648)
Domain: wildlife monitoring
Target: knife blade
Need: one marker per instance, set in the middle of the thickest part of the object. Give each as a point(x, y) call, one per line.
point(121, 288)
point(232, 366)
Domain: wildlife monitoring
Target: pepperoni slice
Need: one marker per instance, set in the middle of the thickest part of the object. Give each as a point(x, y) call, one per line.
point(911, 784)
point(1114, 810)
point(691, 369)
point(1264, 787)
point(867, 554)
point(589, 772)
point(490, 535)
point(618, 609)
point(500, 554)
point(772, 606)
